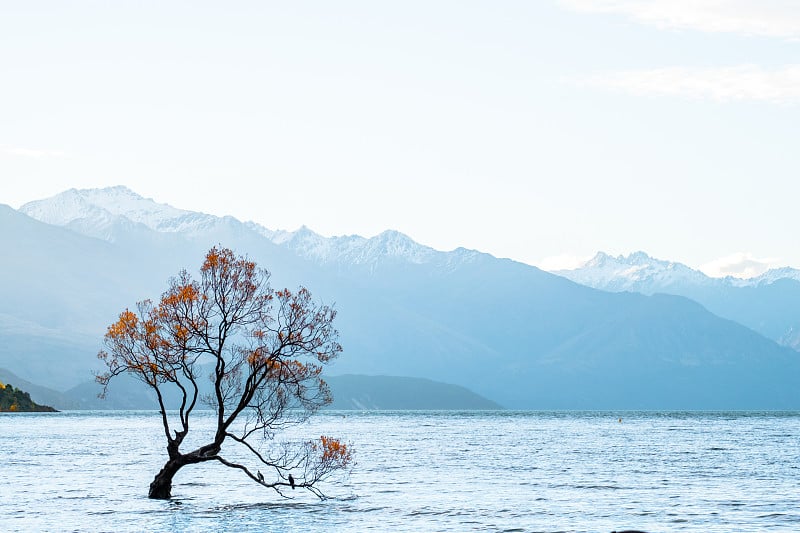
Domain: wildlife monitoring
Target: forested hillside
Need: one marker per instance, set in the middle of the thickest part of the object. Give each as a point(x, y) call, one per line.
point(14, 400)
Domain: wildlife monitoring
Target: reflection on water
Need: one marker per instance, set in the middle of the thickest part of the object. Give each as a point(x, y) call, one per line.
point(505, 471)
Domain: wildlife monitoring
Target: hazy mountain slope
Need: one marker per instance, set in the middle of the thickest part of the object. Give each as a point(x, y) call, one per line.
point(60, 289)
point(510, 332)
point(57, 289)
point(538, 341)
point(39, 394)
point(393, 393)
point(669, 352)
point(349, 392)
point(769, 304)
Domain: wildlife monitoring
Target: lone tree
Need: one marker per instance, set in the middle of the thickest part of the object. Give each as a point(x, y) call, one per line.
point(262, 350)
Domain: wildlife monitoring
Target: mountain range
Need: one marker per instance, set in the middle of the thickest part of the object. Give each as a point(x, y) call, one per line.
point(768, 304)
point(517, 335)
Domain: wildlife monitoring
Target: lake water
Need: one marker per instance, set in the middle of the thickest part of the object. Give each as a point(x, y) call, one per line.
point(422, 471)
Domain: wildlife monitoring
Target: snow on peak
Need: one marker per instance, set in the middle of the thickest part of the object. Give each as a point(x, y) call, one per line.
point(773, 275)
point(635, 272)
point(639, 272)
point(641, 258)
point(121, 201)
point(358, 250)
point(97, 212)
point(598, 260)
point(104, 212)
point(353, 249)
point(394, 243)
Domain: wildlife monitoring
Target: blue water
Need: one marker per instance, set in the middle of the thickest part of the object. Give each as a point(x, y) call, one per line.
point(422, 471)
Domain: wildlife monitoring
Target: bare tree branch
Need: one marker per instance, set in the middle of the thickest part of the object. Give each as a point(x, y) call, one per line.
point(267, 349)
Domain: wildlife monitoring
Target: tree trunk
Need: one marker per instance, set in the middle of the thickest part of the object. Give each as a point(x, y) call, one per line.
point(161, 487)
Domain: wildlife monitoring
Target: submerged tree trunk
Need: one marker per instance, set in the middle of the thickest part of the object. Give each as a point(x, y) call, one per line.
point(161, 487)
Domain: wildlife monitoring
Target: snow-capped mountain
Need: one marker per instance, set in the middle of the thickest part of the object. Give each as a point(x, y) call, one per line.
point(357, 250)
point(112, 201)
point(771, 276)
point(354, 248)
point(107, 213)
point(769, 303)
point(637, 272)
point(511, 332)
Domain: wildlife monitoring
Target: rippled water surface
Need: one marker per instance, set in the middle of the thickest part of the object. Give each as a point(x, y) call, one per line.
point(420, 471)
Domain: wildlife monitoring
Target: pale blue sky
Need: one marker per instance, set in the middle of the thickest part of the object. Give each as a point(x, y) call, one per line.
point(542, 131)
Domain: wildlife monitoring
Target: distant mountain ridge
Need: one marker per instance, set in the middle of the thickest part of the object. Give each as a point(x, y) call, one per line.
point(103, 213)
point(94, 212)
point(354, 392)
point(640, 272)
point(636, 272)
point(512, 333)
point(350, 392)
point(769, 303)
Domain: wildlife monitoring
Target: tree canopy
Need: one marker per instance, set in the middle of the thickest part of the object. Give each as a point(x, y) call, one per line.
point(263, 351)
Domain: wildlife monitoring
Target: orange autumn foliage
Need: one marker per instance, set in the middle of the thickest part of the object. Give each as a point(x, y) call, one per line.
point(263, 351)
point(125, 326)
point(264, 348)
point(333, 452)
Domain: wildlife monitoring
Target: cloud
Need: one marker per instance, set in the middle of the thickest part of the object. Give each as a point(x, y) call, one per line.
point(29, 152)
point(770, 18)
point(739, 265)
point(555, 263)
point(721, 84)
